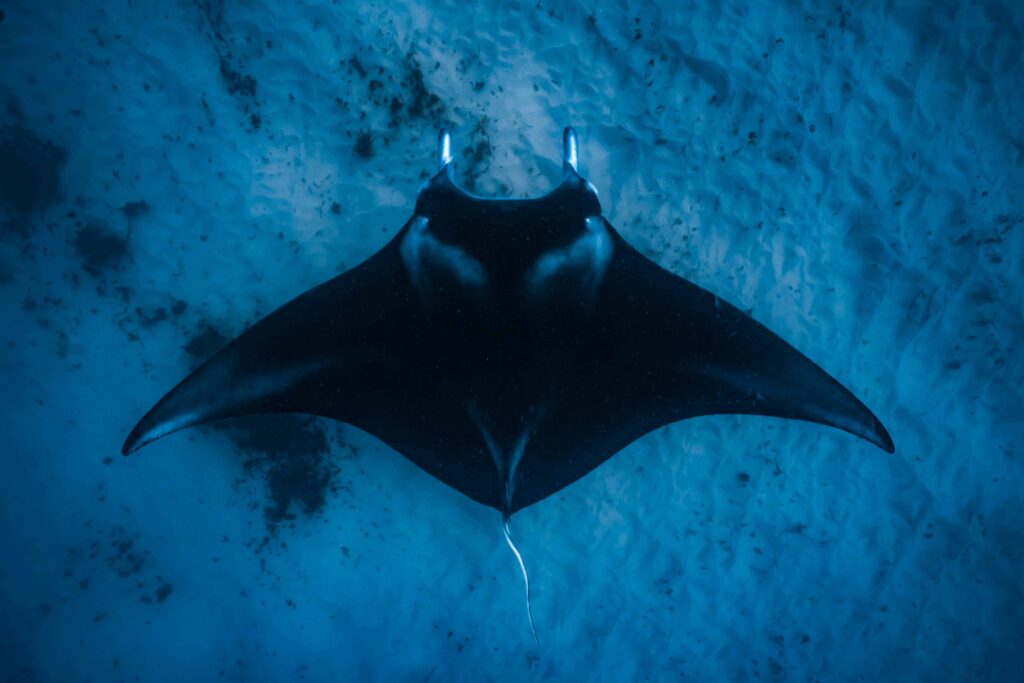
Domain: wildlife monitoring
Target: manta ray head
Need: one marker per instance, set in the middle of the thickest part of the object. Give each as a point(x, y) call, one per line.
point(548, 253)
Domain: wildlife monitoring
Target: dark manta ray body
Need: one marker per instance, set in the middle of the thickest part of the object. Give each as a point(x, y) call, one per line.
point(508, 347)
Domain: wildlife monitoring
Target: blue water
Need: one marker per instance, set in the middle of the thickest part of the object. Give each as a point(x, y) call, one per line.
point(851, 175)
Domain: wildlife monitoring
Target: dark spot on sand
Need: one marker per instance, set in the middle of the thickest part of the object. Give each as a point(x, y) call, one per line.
point(357, 65)
point(29, 170)
point(293, 456)
point(205, 342)
point(212, 11)
point(422, 102)
point(127, 560)
point(163, 592)
point(279, 435)
point(99, 249)
point(743, 478)
point(235, 81)
point(148, 318)
point(135, 209)
point(477, 154)
point(364, 145)
point(296, 480)
point(335, 208)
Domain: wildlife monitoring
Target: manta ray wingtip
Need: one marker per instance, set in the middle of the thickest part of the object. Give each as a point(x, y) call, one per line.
point(145, 432)
point(868, 427)
point(175, 411)
point(882, 438)
point(136, 440)
point(129, 447)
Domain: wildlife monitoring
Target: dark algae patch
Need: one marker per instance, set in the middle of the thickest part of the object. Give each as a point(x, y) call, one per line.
point(148, 318)
point(422, 102)
point(297, 479)
point(239, 84)
point(163, 592)
point(30, 170)
point(116, 552)
point(364, 145)
point(236, 82)
point(404, 97)
point(289, 455)
point(99, 249)
point(477, 154)
point(135, 209)
point(292, 455)
point(206, 341)
point(126, 558)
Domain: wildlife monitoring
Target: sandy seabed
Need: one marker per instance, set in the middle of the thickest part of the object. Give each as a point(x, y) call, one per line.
point(849, 175)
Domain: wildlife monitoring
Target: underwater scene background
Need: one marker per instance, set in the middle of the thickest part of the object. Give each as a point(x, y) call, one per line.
point(849, 174)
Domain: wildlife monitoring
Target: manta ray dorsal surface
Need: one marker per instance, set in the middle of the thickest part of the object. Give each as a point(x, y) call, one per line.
point(508, 347)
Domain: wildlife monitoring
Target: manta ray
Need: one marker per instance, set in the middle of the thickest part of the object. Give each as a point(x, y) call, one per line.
point(508, 347)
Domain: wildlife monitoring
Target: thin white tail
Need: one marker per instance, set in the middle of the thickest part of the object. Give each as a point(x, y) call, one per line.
point(526, 578)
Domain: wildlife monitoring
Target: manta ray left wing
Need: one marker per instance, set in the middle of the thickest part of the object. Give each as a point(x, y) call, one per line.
point(352, 349)
point(308, 356)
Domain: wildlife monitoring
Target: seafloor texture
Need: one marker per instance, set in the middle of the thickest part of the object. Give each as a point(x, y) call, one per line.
point(849, 174)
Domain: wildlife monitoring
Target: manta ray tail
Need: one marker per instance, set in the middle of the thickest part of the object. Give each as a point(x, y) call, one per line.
point(522, 568)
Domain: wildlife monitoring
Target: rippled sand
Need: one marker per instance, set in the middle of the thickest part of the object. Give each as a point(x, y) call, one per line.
point(850, 175)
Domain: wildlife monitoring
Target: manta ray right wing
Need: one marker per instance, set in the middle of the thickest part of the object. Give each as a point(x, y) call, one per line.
point(660, 349)
point(702, 356)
